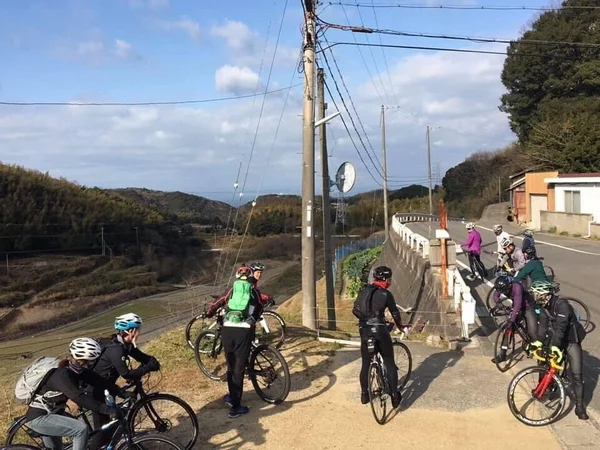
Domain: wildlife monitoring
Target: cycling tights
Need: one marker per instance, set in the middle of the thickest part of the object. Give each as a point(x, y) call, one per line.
point(386, 348)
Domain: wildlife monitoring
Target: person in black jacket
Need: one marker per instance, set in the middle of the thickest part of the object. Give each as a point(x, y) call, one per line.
point(369, 308)
point(114, 362)
point(237, 334)
point(560, 330)
point(47, 417)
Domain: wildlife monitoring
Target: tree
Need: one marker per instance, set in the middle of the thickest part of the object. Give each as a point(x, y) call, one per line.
point(554, 89)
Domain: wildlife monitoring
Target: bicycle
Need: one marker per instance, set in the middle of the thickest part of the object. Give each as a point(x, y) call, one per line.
point(142, 417)
point(506, 338)
point(121, 431)
point(379, 389)
point(549, 389)
point(209, 347)
point(270, 322)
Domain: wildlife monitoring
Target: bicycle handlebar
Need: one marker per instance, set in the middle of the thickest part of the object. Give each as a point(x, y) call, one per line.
point(542, 355)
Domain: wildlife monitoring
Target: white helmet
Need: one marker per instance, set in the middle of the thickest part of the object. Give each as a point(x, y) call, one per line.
point(470, 226)
point(127, 322)
point(505, 242)
point(85, 348)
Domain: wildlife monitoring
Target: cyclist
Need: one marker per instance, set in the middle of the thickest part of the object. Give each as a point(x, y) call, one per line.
point(48, 417)
point(114, 361)
point(512, 255)
point(369, 308)
point(473, 247)
point(257, 270)
point(528, 242)
point(560, 330)
point(500, 236)
point(533, 268)
point(237, 334)
point(522, 305)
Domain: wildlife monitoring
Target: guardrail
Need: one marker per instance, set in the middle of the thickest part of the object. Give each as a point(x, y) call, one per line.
point(418, 217)
point(417, 242)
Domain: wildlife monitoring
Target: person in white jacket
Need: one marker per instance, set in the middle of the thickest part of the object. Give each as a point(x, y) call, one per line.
point(501, 236)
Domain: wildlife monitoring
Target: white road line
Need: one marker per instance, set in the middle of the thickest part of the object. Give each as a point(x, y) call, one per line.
point(464, 266)
point(549, 243)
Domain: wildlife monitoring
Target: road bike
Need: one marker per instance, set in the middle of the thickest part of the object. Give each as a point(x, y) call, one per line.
point(122, 437)
point(542, 388)
point(145, 412)
point(380, 392)
point(260, 368)
point(506, 339)
point(272, 328)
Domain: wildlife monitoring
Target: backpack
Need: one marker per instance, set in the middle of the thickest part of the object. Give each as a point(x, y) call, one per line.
point(363, 305)
point(32, 379)
point(239, 301)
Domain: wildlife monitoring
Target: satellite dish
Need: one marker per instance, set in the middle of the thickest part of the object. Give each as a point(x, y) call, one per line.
point(345, 177)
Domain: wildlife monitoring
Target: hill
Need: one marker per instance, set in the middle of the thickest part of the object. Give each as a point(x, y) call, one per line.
point(188, 208)
point(407, 192)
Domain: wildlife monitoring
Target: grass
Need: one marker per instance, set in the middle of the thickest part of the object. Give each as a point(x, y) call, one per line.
point(564, 233)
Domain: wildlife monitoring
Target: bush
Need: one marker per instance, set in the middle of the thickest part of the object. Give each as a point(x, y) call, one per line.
point(356, 268)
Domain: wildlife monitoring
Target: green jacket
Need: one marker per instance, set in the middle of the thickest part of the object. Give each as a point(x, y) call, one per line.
point(534, 268)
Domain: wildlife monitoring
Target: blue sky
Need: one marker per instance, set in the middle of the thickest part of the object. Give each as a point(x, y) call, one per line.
point(156, 50)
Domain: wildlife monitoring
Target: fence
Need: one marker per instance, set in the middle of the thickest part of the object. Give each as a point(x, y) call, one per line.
point(345, 250)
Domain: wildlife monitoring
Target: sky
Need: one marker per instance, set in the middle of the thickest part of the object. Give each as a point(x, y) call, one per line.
point(176, 50)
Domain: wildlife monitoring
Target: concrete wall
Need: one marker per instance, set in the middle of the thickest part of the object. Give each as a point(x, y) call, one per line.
point(534, 184)
point(590, 197)
point(571, 223)
point(495, 213)
point(416, 285)
point(595, 229)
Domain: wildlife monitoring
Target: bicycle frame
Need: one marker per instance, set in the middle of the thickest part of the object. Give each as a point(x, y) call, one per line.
point(553, 368)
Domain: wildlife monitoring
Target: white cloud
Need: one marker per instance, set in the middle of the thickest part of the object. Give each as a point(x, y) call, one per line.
point(191, 27)
point(154, 5)
point(124, 51)
point(236, 80)
point(98, 51)
point(238, 36)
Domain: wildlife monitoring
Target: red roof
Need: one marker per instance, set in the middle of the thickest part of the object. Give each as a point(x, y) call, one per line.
point(579, 175)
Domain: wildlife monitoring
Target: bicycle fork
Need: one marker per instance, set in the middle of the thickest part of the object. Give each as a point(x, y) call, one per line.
point(543, 384)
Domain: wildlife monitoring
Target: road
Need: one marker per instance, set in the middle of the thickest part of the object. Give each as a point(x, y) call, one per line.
point(576, 263)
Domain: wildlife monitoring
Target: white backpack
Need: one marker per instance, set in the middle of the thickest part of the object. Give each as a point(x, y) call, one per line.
point(31, 380)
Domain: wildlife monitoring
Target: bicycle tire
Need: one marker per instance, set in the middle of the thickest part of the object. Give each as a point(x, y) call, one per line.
point(17, 425)
point(188, 332)
point(375, 374)
point(275, 340)
point(20, 447)
point(171, 398)
point(218, 348)
point(510, 351)
point(402, 381)
point(136, 443)
point(585, 320)
point(549, 271)
point(489, 300)
point(511, 393)
point(253, 374)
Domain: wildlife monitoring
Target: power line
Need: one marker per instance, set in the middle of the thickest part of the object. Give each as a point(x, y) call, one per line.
point(363, 29)
point(387, 68)
point(461, 50)
point(170, 102)
point(463, 7)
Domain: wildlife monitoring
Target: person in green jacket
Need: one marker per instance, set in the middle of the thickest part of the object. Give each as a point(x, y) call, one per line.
point(533, 268)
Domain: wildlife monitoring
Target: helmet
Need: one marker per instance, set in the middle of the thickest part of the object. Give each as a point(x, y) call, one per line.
point(85, 348)
point(497, 230)
point(541, 291)
point(382, 273)
point(243, 271)
point(529, 252)
point(505, 242)
point(257, 267)
point(528, 233)
point(503, 285)
point(127, 322)
point(470, 226)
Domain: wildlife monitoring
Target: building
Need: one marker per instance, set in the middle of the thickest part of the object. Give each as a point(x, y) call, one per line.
point(529, 194)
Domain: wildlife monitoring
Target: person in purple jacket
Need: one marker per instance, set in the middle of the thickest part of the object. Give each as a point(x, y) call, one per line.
point(473, 248)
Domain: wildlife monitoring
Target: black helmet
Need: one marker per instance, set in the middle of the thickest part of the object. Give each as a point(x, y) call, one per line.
point(503, 285)
point(382, 273)
point(257, 267)
point(529, 252)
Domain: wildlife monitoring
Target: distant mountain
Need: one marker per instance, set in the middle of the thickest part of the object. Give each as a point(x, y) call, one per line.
point(188, 207)
point(412, 191)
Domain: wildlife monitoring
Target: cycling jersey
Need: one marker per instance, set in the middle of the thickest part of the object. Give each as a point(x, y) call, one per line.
point(115, 355)
point(520, 298)
point(517, 259)
point(533, 269)
point(499, 239)
point(528, 242)
point(382, 299)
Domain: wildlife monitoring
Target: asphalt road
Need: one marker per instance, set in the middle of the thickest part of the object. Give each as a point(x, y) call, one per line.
point(576, 263)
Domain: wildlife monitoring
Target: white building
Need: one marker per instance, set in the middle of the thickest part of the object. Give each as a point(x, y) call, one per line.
point(577, 193)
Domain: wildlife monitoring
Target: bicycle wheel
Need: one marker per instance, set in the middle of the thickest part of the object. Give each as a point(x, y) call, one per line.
point(168, 414)
point(209, 354)
point(509, 344)
point(581, 311)
point(527, 384)
point(20, 447)
point(19, 433)
point(403, 360)
point(271, 329)
point(190, 331)
point(549, 273)
point(377, 395)
point(151, 442)
point(264, 373)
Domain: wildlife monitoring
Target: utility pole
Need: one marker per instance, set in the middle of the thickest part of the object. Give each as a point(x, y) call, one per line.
point(499, 190)
point(429, 170)
point(326, 204)
point(385, 192)
point(103, 249)
point(137, 237)
point(309, 293)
